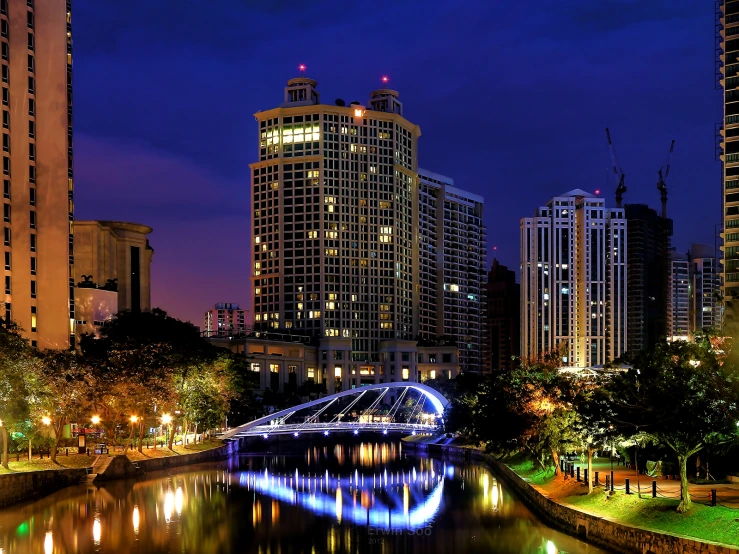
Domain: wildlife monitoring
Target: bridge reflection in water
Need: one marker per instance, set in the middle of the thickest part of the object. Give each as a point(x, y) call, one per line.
point(409, 500)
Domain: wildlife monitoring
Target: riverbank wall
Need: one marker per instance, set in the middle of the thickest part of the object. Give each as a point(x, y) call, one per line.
point(15, 487)
point(597, 530)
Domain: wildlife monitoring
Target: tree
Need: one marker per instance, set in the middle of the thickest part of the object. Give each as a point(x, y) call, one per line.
point(68, 390)
point(17, 364)
point(680, 394)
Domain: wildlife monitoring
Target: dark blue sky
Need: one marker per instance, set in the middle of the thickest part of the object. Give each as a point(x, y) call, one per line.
point(512, 99)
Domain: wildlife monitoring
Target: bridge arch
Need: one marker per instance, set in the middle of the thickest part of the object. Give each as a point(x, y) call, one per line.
point(438, 401)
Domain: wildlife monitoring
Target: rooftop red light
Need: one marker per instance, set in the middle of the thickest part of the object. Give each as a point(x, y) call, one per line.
point(301, 67)
point(385, 79)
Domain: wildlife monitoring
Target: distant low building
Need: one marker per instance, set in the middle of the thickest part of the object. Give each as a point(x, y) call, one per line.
point(113, 265)
point(226, 320)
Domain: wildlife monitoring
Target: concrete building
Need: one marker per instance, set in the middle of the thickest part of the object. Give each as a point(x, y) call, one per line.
point(573, 280)
point(727, 66)
point(679, 307)
point(113, 262)
point(451, 240)
point(36, 41)
point(705, 289)
point(503, 318)
point(648, 276)
point(226, 320)
point(335, 237)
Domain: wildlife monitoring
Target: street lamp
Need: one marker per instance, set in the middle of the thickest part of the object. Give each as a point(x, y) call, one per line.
point(46, 420)
point(134, 419)
point(95, 419)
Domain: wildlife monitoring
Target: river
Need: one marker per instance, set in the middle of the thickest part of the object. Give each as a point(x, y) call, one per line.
point(365, 497)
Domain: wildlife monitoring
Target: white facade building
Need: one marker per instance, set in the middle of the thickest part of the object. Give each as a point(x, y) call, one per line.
point(451, 265)
point(573, 280)
point(679, 307)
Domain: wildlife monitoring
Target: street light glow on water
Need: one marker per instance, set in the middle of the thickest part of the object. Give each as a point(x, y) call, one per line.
point(356, 498)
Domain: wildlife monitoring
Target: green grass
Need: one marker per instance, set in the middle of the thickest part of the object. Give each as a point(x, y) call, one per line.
point(82, 460)
point(701, 522)
point(533, 474)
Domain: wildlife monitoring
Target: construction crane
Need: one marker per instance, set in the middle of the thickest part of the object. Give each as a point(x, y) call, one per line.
point(663, 173)
point(618, 174)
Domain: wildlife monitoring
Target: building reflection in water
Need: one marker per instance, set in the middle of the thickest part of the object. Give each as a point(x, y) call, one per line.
point(327, 499)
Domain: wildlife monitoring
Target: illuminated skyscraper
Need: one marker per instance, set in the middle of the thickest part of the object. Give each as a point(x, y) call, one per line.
point(451, 240)
point(573, 280)
point(334, 231)
point(36, 41)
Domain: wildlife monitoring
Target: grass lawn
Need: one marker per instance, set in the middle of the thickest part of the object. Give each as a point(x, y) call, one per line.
point(533, 474)
point(161, 452)
point(701, 522)
point(83, 460)
point(63, 462)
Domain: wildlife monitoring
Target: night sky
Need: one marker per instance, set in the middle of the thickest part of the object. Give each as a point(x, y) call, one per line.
point(512, 99)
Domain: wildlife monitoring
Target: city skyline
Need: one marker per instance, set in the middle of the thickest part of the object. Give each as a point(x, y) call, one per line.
point(157, 160)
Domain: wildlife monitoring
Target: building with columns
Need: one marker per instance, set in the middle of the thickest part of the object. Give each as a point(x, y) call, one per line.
point(114, 270)
point(573, 280)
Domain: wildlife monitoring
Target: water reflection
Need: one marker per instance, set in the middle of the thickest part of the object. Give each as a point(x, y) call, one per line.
point(366, 497)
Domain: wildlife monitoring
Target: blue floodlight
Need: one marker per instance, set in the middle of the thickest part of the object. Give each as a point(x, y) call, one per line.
point(295, 433)
point(325, 433)
point(356, 431)
point(384, 431)
point(265, 435)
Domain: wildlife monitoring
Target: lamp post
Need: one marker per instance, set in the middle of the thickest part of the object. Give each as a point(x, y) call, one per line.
point(96, 421)
point(167, 420)
point(134, 419)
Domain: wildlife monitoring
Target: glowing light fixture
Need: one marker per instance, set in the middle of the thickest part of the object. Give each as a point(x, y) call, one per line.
point(95, 419)
point(265, 435)
point(295, 433)
point(134, 419)
point(325, 433)
point(46, 420)
point(166, 419)
point(356, 431)
point(385, 79)
point(301, 67)
point(384, 431)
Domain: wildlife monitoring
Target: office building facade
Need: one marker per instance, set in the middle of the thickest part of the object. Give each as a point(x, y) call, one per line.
point(36, 52)
point(573, 280)
point(451, 250)
point(226, 320)
point(503, 318)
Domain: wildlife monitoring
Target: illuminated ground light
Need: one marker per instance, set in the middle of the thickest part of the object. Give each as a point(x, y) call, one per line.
point(356, 431)
point(265, 435)
point(325, 433)
point(296, 434)
point(384, 431)
point(413, 433)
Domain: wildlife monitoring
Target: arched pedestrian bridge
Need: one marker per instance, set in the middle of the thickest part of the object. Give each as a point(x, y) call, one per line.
point(401, 407)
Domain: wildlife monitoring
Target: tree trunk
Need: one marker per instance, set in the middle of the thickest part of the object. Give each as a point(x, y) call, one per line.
point(57, 430)
point(155, 437)
point(141, 437)
point(171, 435)
point(195, 434)
point(5, 446)
point(184, 432)
point(636, 464)
point(555, 457)
point(685, 502)
point(30, 449)
point(590, 468)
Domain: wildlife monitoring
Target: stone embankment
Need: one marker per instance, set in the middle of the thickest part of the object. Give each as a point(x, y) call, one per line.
point(15, 487)
point(597, 530)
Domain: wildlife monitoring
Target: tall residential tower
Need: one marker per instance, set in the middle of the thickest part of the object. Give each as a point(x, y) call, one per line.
point(451, 240)
point(573, 280)
point(36, 51)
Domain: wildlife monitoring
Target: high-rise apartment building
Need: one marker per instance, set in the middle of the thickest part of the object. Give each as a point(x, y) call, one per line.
point(705, 289)
point(226, 320)
point(679, 306)
point(503, 318)
point(335, 254)
point(728, 64)
point(451, 249)
point(573, 280)
point(647, 277)
point(36, 63)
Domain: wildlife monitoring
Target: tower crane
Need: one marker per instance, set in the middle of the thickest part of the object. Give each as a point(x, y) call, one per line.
point(618, 174)
point(663, 173)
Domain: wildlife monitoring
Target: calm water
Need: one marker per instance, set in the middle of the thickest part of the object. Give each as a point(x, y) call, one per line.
point(360, 498)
